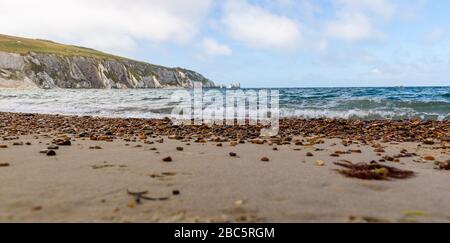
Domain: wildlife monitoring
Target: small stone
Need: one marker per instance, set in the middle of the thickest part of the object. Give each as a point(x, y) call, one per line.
point(429, 142)
point(334, 155)
point(3, 146)
point(258, 141)
point(444, 165)
point(4, 164)
point(44, 151)
point(53, 147)
point(265, 159)
point(176, 193)
point(232, 154)
point(233, 144)
point(275, 149)
point(131, 205)
point(96, 147)
point(219, 145)
point(51, 153)
point(28, 143)
point(380, 150)
point(180, 149)
point(37, 208)
point(64, 143)
point(18, 144)
point(429, 158)
point(356, 151)
point(309, 154)
point(168, 159)
point(239, 203)
point(320, 163)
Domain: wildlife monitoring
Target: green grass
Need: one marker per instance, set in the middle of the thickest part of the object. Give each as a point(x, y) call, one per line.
point(23, 46)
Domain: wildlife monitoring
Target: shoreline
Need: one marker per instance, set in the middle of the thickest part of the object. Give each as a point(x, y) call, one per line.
point(110, 128)
point(235, 177)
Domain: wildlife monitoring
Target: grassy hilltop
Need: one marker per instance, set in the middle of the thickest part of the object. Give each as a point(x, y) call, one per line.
point(24, 45)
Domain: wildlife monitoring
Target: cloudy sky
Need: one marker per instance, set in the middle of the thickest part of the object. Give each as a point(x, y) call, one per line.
point(260, 43)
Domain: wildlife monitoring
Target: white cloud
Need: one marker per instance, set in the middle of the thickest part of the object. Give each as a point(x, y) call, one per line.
point(212, 48)
point(375, 71)
point(352, 27)
point(104, 24)
point(323, 45)
point(378, 8)
point(259, 28)
point(356, 20)
point(436, 35)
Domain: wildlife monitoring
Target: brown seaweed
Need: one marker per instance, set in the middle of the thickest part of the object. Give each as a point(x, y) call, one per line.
point(139, 196)
point(372, 171)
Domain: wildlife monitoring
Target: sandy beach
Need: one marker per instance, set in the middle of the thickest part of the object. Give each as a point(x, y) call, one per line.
point(101, 174)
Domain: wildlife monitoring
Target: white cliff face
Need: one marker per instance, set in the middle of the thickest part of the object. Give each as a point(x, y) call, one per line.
point(11, 61)
point(50, 71)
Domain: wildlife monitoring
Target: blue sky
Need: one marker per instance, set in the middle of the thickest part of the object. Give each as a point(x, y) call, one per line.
point(259, 43)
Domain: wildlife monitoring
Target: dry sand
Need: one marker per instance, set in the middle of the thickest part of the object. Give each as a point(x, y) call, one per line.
point(90, 185)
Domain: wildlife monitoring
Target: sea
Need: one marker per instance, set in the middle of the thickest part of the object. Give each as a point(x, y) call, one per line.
point(428, 103)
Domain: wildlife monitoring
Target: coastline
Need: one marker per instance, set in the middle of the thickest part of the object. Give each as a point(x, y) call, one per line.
point(88, 180)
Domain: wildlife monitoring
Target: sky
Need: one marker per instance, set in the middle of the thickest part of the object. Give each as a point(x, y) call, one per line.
point(258, 43)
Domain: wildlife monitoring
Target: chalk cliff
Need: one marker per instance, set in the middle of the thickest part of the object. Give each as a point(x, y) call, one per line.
point(82, 68)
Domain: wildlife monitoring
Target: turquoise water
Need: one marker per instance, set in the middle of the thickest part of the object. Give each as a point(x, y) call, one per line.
point(354, 103)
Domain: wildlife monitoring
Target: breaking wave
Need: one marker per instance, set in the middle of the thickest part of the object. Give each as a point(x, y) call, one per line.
point(349, 103)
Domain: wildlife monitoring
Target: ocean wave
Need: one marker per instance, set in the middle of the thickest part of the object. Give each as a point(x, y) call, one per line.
point(361, 114)
point(360, 103)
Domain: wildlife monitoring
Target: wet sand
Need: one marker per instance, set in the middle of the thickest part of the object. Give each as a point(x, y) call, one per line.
point(89, 180)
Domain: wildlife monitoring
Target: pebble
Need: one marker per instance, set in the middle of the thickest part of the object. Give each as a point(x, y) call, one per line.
point(265, 159)
point(53, 147)
point(258, 141)
point(18, 144)
point(309, 154)
point(180, 149)
point(219, 145)
point(37, 208)
point(429, 158)
point(168, 159)
point(51, 153)
point(3, 146)
point(356, 151)
point(4, 164)
point(176, 192)
point(232, 154)
point(444, 165)
point(320, 163)
point(64, 143)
